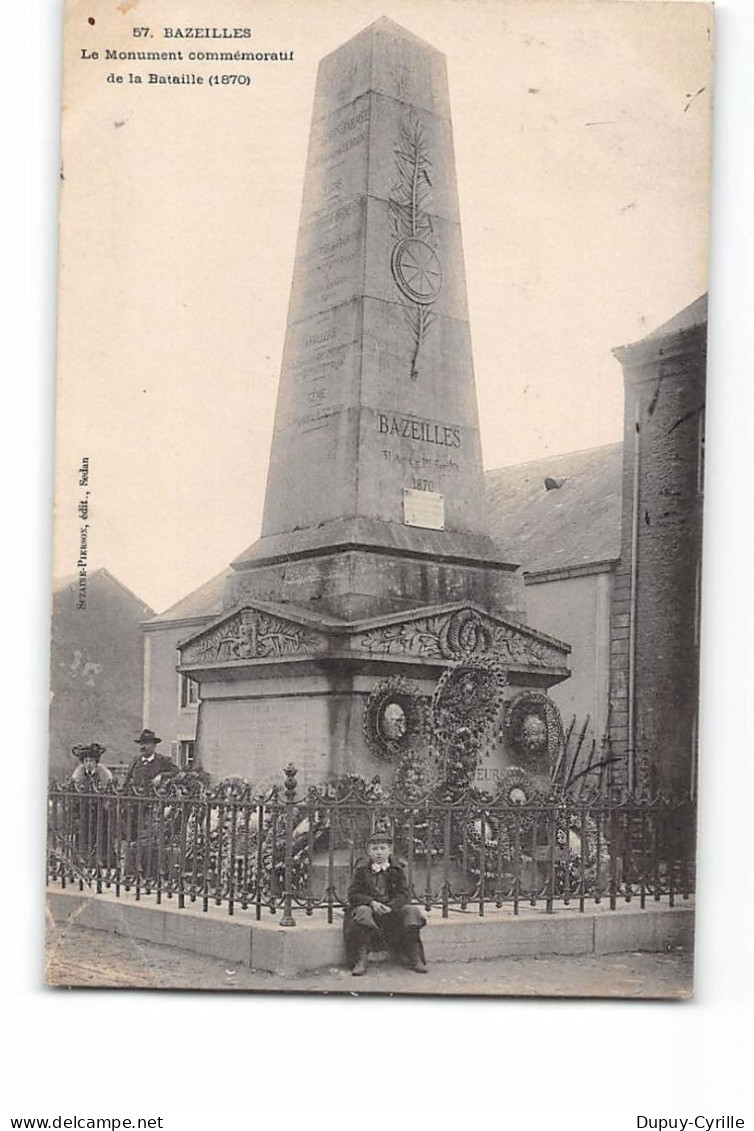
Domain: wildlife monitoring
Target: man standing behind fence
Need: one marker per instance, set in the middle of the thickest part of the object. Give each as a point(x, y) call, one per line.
point(149, 766)
point(144, 821)
point(378, 905)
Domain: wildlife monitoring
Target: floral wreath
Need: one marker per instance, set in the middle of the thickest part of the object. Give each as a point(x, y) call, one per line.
point(407, 696)
point(416, 775)
point(467, 697)
point(540, 705)
point(516, 780)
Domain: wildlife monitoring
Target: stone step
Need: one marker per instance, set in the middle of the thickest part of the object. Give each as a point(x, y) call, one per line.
point(314, 944)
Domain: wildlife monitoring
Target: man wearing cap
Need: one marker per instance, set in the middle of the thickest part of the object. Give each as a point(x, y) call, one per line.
point(378, 901)
point(149, 766)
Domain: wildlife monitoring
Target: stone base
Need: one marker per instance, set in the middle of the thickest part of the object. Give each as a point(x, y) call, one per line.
point(314, 944)
point(359, 581)
point(251, 728)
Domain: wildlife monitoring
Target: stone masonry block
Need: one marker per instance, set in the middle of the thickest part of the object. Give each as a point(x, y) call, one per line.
point(648, 930)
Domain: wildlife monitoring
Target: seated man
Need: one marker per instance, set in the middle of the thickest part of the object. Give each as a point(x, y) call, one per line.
point(378, 901)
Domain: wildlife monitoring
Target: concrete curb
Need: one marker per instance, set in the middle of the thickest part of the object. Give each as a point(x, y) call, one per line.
point(313, 944)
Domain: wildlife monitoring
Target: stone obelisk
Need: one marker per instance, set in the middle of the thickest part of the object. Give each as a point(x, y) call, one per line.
point(375, 496)
point(374, 575)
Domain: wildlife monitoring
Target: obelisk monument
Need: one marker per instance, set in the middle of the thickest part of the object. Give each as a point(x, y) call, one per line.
point(375, 495)
point(374, 580)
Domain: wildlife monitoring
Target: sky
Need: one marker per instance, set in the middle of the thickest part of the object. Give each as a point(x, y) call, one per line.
point(582, 150)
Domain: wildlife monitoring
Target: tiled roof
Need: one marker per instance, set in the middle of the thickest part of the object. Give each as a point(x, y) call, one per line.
point(575, 524)
point(206, 601)
point(695, 314)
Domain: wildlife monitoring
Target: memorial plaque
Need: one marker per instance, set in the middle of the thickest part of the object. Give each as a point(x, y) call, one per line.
point(423, 508)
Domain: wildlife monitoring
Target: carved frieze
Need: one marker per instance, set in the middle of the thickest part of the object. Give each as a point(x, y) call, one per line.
point(251, 635)
point(454, 636)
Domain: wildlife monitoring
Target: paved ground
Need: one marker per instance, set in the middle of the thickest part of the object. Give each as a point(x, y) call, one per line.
point(78, 957)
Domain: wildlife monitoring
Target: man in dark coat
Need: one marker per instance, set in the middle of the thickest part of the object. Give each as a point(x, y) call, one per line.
point(378, 903)
point(143, 820)
point(149, 766)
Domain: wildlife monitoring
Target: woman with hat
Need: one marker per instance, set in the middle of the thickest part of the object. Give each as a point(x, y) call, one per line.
point(93, 818)
point(89, 773)
point(378, 905)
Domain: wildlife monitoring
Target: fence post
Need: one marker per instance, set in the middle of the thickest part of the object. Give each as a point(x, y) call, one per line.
point(290, 816)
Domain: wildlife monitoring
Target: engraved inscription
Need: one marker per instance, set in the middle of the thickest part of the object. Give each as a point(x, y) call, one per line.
point(327, 267)
point(412, 428)
point(316, 361)
point(330, 142)
point(337, 160)
point(421, 463)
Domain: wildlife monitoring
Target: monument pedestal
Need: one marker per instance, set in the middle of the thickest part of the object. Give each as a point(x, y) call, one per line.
point(358, 568)
point(283, 685)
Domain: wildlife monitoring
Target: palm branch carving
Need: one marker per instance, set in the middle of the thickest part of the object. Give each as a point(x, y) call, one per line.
point(411, 222)
point(414, 185)
point(419, 319)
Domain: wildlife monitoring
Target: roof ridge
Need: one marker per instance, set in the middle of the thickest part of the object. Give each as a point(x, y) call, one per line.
point(225, 572)
point(557, 455)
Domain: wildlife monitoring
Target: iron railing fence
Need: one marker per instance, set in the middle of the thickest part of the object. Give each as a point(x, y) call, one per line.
point(279, 852)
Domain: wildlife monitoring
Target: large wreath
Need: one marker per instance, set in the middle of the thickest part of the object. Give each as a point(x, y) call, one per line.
point(542, 707)
point(468, 698)
point(403, 693)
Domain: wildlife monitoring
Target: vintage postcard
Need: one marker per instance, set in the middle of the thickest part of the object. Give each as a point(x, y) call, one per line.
point(379, 488)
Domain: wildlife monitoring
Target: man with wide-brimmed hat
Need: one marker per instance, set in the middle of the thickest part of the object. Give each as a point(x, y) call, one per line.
point(149, 766)
point(143, 821)
point(378, 907)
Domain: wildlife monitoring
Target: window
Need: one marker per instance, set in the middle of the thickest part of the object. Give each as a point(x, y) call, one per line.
point(186, 754)
point(189, 691)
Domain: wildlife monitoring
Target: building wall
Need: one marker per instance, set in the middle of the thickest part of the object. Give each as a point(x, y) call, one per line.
point(96, 672)
point(655, 727)
point(577, 609)
point(163, 712)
